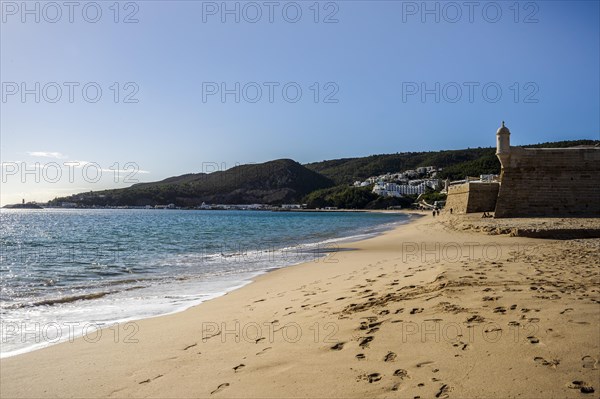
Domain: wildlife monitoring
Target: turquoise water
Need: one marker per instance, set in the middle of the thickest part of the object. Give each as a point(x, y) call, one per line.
point(74, 267)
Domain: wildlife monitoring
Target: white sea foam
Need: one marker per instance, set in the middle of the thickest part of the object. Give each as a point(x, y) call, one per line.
point(170, 282)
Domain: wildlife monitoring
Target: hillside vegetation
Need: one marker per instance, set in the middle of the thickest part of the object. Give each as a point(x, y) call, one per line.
point(318, 184)
point(456, 164)
point(273, 182)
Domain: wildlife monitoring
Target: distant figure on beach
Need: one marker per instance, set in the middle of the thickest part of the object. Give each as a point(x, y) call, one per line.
point(434, 213)
point(451, 211)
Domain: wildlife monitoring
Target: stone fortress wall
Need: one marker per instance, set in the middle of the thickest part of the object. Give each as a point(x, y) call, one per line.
point(550, 182)
point(472, 197)
point(535, 182)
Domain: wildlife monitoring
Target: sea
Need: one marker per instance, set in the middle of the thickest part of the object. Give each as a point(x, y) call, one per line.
point(67, 272)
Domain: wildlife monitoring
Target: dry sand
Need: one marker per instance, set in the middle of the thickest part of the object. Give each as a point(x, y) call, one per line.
point(560, 228)
point(422, 311)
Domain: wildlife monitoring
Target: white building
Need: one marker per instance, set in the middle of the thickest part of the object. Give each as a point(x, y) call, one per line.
point(386, 190)
point(488, 178)
point(398, 190)
point(291, 206)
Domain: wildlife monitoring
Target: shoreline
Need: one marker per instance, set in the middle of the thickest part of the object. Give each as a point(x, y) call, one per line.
point(235, 284)
point(358, 323)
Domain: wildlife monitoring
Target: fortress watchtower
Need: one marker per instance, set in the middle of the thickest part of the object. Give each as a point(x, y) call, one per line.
point(503, 145)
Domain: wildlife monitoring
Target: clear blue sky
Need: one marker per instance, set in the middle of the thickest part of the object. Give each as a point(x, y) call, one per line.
point(374, 58)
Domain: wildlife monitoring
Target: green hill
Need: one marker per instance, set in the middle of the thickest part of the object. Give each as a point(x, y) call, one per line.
point(285, 181)
point(456, 164)
point(273, 182)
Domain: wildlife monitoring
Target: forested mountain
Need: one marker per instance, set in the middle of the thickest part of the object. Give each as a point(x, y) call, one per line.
point(284, 180)
point(273, 182)
point(456, 163)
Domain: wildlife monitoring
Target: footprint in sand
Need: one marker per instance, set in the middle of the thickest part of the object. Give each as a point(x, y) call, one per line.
point(239, 367)
point(490, 298)
point(443, 392)
point(401, 373)
point(416, 310)
point(264, 350)
point(419, 365)
point(204, 339)
point(475, 319)
point(220, 388)
point(491, 330)
point(589, 362)
point(463, 346)
point(150, 379)
point(190, 346)
point(566, 310)
point(373, 326)
point(361, 356)
point(390, 357)
point(374, 377)
point(578, 322)
point(338, 347)
point(583, 386)
point(552, 363)
point(533, 340)
point(364, 343)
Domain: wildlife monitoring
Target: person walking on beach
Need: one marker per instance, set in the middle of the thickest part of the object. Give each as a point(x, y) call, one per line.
point(434, 213)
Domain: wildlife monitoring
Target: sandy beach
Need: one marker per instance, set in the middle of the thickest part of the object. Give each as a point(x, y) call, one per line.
point(423, 311)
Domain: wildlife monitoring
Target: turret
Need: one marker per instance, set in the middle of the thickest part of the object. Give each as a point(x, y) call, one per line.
point(503, 144)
